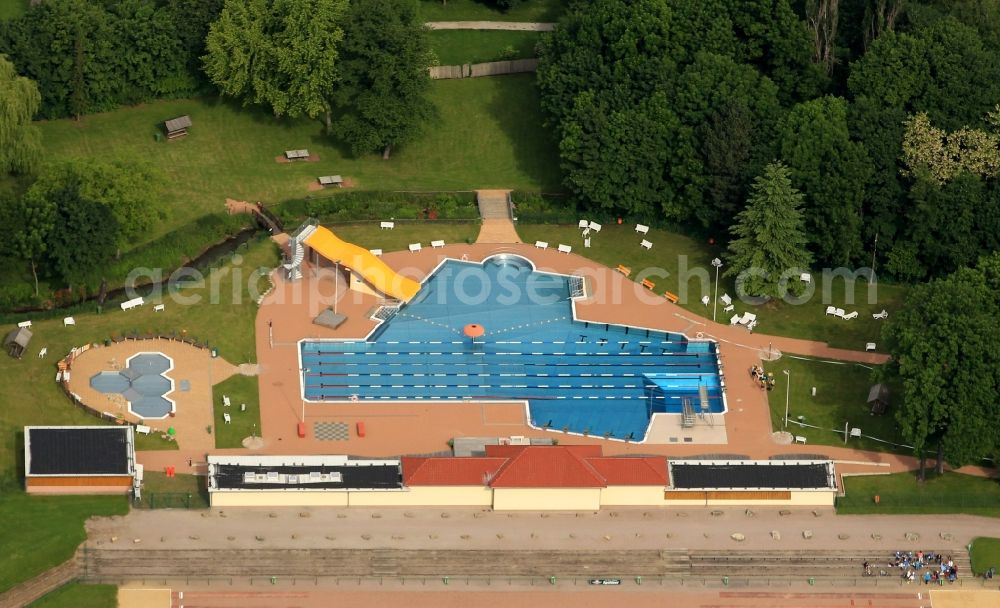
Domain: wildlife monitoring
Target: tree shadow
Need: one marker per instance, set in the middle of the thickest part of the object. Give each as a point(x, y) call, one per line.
point(516, 107)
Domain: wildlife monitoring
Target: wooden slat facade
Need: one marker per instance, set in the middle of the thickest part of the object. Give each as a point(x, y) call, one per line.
point(111, 480)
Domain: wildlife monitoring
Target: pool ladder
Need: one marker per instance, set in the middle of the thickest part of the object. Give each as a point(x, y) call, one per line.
point(687, 413)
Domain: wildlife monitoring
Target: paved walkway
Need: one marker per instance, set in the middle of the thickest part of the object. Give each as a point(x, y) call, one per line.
point(491, 25)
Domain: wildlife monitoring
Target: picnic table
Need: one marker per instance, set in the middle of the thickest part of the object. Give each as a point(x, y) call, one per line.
point(330, 180)
point(297, 154)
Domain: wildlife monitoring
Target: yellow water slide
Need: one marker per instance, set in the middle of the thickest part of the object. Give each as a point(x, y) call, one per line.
point(364, 263)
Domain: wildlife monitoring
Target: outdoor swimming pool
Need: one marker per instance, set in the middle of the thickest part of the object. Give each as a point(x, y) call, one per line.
point(575, 376)
point(142, 383)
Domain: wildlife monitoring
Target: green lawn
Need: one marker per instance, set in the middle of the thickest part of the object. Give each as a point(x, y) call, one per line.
point(902, 493)
point(455, 47)
point(545, 11)
point(42, 532)
point(985, 554)
point(77, 595)
point(487, 133)
point(673, 253)
point(179, 491)
point(10, 9)
point(841, 393)
point(370, 236)
point(240, 390)
point(30, 395)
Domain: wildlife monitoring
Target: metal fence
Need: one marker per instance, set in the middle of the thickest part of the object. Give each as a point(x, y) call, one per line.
point(170, 500)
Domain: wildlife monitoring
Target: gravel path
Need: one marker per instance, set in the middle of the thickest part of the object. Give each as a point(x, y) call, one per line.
point(474, 529)
point(491, 25)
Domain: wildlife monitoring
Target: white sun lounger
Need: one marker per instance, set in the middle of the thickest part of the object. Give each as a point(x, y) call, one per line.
point(43, 352)
point(881, 315)
point(641, 229)
point(541, 244)
point(414, 247)
point(705, 300)
point(225, 401)
point(565, 249)
point(831, 310)
point(227, 418)
point(725, 299)
point(735, 320)
point(646, 244)
point(852, 315)
point(437, 244)
point(748, 317)
point(838, 312)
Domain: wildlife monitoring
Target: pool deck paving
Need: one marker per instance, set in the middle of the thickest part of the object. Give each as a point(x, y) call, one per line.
point(392, 429)
point(193, 407)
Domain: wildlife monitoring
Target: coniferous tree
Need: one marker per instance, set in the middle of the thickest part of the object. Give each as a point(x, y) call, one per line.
point(770, 240)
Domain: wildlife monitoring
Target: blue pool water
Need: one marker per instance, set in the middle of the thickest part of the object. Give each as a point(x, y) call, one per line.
point(575, 375)
point(142, 383)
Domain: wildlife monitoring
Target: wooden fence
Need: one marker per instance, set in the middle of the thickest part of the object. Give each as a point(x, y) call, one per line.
point(476, 70)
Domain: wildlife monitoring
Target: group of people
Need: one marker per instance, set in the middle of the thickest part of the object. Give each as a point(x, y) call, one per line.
point(936, 568)
point(764, 379)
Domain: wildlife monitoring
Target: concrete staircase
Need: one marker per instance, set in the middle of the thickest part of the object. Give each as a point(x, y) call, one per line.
point(498, 225)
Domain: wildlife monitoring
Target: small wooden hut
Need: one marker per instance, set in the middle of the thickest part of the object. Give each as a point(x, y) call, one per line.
point(177, 127)
point(878, 399)
point(16, 342)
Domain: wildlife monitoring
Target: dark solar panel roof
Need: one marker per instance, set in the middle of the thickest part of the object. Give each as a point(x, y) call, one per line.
point(380, 476)
point(78, 451)
point(749, 475)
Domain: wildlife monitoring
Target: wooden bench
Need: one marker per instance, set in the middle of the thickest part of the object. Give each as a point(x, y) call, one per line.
point(177, 127)
point(625, 270)
point(331, 180)
point(297, 154)
point(671, 296)
point(648, 284)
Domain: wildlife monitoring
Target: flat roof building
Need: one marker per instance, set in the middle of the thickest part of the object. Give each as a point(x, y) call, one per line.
point(79, 459)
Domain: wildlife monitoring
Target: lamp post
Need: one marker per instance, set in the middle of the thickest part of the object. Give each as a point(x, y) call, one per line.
point(718, 264)
point(788, 391)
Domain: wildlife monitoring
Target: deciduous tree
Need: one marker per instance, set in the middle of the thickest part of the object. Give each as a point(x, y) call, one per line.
point(20, 142)
point(943, 343)
point(282, 53)
point(383, 91)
